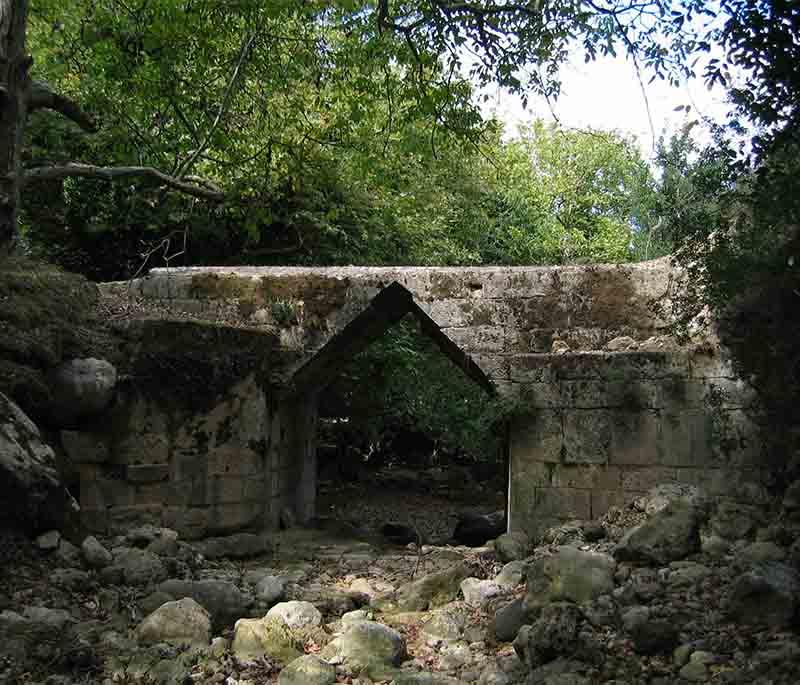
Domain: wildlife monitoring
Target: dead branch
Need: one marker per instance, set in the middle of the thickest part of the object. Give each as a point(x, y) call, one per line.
point(204, 191)
point(41, 96)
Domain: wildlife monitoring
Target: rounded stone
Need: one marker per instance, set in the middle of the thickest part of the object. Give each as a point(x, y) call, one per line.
point(81, 387)
point(94, 553)
point(183, 622)
point(296, 614)
point(308, 670)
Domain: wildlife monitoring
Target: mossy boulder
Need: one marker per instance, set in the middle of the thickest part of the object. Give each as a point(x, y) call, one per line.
point(269, 637)
point(308, 670)
point(46, 316)
point(368, 646)
point(431, 591)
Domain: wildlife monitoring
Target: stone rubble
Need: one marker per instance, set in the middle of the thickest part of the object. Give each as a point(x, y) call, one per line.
point(651, 594)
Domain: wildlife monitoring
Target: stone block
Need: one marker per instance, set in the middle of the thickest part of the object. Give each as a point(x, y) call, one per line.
point(540, 395)
point(536, 340)
point(685, 438)
point(225, 489)
point(106, 492)
point(188, 465)
point(122, 519)
point(537, 437)
point(547, 311)
point(633, 394)
point(621, 366)
point(587, 436)
point(192, 523)
point(735, 439)
point(532, 368)
point(94, 520)
point(490, 339)
point(641, 479)
point(527, 474)
point(469, 312)
point(704, 366)
point(146, 473)
point(517, 282)
point(228, 518)
point(594, 476)
point(496, 367)
point(255, 488)
point(233, 461)
point(603, 500)
point(635, 437)
point(84, 448)
point(563, 503)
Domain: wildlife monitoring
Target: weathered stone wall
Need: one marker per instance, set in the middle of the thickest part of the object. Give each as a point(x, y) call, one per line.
point(196, 439)
point(597, 430)
point(592, 428)
point(493, 313)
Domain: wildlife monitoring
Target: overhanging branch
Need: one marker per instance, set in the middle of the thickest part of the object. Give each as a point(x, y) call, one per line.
point(41, 96)
point(206, 191)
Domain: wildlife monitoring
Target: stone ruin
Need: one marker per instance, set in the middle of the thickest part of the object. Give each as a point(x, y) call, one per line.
point(212, 429)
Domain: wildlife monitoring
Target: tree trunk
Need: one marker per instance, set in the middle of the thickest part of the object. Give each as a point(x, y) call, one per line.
point(14, 86)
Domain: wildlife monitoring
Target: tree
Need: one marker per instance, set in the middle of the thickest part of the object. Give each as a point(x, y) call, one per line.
point(334, 65)
point(20, 95)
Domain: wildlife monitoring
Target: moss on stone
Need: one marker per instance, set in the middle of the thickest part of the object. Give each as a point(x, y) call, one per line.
point(46, 315)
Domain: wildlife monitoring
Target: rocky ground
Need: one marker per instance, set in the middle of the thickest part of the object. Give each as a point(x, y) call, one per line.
point(670, 590)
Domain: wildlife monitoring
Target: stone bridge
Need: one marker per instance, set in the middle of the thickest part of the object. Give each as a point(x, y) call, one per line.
point(214, 428)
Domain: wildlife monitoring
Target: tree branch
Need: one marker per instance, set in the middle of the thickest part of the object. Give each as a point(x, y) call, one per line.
point(41, 96)
point(206, 191)
point(244, 52)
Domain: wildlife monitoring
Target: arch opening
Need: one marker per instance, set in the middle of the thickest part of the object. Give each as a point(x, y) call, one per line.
point(405, 444)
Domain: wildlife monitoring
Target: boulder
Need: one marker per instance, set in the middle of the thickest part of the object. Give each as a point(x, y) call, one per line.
point(138, 566)
point(669, 535)
point(223, 600)
point(34, 498)
point(183, 622)
point(569, 574)
point(296, 614)
point(659, 497)
point(650, 635)
point(48, 542)
point(270, 590)
point(94, 554)
point(554, 634)
point(68, 554)
point(760, 552)
point(478, 592)
point(621, 344)
point(70, 578)
point(735, 520)
point(80, 388)
point(767, 595)
point(512, 574)
point(475, 530)
point(512, 546)
point(367, 645)
point(508, 620)
point(270, 637)
point(308, 670)
point(433, 590)
point(237, 546)
point(446, 624)
point(21, 633)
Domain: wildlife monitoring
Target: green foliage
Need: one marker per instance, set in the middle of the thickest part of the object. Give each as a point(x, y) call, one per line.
point(403, 386)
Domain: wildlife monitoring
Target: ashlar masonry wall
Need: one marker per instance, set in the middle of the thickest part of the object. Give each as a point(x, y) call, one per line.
point(197, 439)
point(598, 429)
